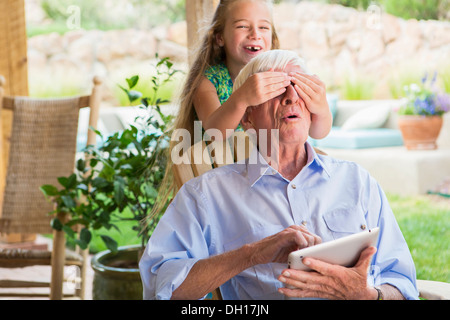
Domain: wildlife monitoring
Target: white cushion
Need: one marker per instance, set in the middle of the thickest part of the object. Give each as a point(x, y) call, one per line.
point(368, 118)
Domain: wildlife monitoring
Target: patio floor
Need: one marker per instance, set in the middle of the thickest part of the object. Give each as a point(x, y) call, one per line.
point(41, 273)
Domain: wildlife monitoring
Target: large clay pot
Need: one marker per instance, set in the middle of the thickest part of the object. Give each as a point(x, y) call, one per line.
point(420, 132)
point(112, 279)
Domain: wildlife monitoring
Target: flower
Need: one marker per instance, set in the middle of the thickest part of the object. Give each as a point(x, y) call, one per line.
point(425, 99)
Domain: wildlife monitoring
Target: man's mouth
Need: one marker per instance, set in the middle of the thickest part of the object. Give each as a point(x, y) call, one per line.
point(253, 48)
point(290, 116)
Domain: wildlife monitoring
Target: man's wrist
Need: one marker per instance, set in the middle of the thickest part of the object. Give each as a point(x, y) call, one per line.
point(377, 293)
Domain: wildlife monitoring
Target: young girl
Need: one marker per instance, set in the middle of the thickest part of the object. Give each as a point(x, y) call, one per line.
point(240, 30)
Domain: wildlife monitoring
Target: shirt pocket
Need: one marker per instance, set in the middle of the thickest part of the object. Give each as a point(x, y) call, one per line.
point(345, 221)
point(260, 279)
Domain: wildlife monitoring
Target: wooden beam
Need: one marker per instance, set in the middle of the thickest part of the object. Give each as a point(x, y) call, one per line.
point(198, 15)
point(13, 66)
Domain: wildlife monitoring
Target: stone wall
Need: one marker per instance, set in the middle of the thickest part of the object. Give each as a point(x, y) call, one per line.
point(337, 42)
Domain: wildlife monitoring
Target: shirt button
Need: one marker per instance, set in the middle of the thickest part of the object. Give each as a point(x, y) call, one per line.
point(304, 223)
point(274, 172)
point(293, 186)
point(363, 227)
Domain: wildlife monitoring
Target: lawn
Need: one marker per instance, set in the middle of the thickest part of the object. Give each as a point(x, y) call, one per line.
point(424, 221)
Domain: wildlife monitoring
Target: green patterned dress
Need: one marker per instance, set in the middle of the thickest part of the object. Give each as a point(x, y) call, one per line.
point(221, 79)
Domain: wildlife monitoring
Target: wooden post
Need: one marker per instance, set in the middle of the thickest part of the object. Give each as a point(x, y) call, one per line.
point(2, 166)
point(13, 66)
point(58, 261)
point(94, 106)
point(198, 14)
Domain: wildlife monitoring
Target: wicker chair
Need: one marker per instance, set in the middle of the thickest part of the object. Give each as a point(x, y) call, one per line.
point(42, 148)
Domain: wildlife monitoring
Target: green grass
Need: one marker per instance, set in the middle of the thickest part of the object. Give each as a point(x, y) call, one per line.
point(124, 236)
point(425, 224)
point(356, 87)
point(166, 92)
point(400, 77)
point(444, 76)
point(55, 85)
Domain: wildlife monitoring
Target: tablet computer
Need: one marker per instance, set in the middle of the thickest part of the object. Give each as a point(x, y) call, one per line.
point(344, 251)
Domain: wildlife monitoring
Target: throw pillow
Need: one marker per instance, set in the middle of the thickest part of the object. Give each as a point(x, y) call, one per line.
point(368, 118)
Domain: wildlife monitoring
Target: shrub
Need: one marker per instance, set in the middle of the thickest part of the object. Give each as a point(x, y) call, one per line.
point(406, 9)
point(417, 9)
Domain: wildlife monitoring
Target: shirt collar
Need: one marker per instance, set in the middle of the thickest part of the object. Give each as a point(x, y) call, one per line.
point(257, 166)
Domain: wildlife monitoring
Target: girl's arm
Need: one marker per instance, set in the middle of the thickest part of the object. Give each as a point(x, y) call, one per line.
point(211, 113)
point(256, 90)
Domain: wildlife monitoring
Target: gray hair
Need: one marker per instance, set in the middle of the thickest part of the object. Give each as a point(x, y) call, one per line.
point(272, 59)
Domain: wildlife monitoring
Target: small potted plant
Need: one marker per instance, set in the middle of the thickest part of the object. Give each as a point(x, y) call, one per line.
point(420, 118)
point(119, 182)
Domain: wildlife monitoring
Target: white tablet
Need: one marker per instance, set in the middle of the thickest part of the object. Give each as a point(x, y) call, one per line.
point(344, 251)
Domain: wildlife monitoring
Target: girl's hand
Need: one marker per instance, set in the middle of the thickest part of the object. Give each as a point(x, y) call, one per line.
point(262, 87)
point(313, 91)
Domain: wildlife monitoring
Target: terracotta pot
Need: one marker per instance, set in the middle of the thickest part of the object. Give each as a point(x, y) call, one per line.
point(420, 132)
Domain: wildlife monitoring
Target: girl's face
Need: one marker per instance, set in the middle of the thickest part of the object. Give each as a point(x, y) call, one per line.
point(247, 32)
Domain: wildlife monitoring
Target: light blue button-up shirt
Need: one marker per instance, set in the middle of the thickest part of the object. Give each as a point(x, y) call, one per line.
point(241, 203)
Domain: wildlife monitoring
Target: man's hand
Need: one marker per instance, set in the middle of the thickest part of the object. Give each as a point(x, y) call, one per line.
point(208, 274)
point(277, 247)
point(331, 281)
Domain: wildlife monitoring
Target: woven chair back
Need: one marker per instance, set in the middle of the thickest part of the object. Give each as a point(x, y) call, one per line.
point(42, 148)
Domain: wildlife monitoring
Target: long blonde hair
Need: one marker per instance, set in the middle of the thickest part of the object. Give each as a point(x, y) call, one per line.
point(208, 54)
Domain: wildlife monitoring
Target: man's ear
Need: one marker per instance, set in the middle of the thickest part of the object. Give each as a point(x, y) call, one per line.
point(246, 121)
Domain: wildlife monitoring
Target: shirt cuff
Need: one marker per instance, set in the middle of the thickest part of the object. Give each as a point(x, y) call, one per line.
point(406, 287)
point(171, 275)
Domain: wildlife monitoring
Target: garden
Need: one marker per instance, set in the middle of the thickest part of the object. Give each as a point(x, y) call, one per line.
point(140, 48)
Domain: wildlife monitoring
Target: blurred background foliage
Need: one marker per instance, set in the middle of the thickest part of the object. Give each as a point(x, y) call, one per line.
point(119, 14)
point(116, 14)
point(406, 9)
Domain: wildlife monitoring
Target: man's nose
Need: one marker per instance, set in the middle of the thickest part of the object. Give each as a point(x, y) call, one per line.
point(290, 96)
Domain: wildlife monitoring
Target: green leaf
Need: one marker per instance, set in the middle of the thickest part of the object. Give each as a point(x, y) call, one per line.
point(96, 131)
point(69, 182)
point(69, 231)
point(132, 81)
point(85, 235)
point(119, 192)
point(100, 183)
point(107, 172)
point(68, 202)
point(149, 191)
point(63, 181)
point(81, 165)
point(110, 243)
point(49, 190)
point(56, 224)
point(83, 245)
point(72, 181)
point(133, 95)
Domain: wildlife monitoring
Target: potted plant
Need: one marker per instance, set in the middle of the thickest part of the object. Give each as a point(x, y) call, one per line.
point(119, 182)
point(420, 118)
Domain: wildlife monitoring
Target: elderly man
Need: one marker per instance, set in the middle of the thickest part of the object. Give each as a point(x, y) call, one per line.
point(234, 226)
